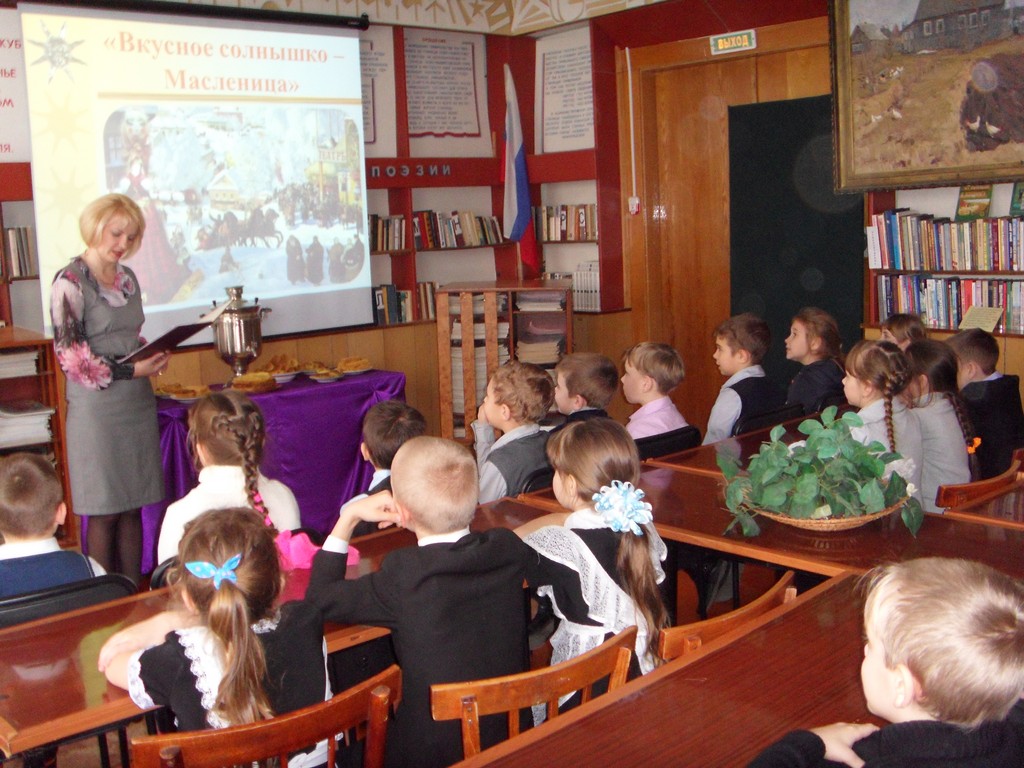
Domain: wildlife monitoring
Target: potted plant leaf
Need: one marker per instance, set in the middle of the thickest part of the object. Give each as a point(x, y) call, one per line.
point(830, 481)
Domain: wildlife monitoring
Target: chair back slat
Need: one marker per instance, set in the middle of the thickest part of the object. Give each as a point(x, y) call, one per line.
point(948, 496)
point(687, 638)
point(469, 701)
point(48, 602)
point(368, 702)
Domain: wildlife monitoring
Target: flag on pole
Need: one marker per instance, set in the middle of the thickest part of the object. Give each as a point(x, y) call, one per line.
point(518, 223)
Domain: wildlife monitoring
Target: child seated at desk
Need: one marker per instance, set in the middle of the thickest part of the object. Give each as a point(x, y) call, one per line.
point(387, 426)
point(585, 383)
point(519, 395)
point(600, 564)
point(943, 663)
point(876, 382)
point(231, 655)
point(741, 342)
point(814, 342)
point(993, 400)
point(652, 371)
point(903, 329)
point(454, 603)
point(226, 433)
point(31, 507)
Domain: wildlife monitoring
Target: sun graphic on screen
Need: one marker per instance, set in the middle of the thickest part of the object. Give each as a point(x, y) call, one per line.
point(58, 52)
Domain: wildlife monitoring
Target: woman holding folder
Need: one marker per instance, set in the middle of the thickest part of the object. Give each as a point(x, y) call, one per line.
point(112, 435)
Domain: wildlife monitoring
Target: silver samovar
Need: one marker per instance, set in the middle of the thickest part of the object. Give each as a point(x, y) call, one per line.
point(236, 331)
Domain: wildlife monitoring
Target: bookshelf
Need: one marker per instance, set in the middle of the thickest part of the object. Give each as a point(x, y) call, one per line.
point(528, 320)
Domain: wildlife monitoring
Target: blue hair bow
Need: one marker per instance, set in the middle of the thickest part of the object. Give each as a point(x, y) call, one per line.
point(226, 572)
point(622, 507)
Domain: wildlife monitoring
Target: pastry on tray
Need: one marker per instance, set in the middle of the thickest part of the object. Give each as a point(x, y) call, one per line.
point(254, 382)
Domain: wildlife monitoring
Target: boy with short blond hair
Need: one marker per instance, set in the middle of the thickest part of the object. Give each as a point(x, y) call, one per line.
point(454, 603)
point(584, 385)
point(31, 507)
point(943, 663)
point(992, 399)
point(519, 395)
point(741, 343)
point(652, 371)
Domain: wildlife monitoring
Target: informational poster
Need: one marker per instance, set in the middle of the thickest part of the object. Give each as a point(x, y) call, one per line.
point(441, 82)
point(566, 93)
point(377, 65)
point(14, 142)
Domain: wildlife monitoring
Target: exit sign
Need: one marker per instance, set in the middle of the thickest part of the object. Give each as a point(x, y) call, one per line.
point(734, 41)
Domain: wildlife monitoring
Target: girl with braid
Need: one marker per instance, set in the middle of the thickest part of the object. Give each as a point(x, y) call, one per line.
point(228, 654)
point(947, 436)
point(226, 434)
point(877, 380)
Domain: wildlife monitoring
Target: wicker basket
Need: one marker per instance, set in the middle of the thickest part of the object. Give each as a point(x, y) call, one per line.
point(829, 523)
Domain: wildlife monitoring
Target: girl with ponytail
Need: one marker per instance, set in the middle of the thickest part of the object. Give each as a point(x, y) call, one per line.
point(949, 440)
point(229, 656)
point(877, 380)
point(226, 435)
point(601, 564)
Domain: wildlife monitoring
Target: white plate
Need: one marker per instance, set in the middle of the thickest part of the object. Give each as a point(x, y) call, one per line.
point(325, 379)
point(353, 373)
point(284, 378)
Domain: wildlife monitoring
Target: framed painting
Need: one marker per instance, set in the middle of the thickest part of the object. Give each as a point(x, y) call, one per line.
point(927, 92)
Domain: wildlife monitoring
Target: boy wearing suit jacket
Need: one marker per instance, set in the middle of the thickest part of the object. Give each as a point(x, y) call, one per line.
point(455, 604)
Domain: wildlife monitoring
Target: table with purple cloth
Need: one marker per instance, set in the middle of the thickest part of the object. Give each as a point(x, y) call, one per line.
point(313, 435)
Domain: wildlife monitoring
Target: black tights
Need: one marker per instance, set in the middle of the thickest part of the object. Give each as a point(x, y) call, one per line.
point(115, 542)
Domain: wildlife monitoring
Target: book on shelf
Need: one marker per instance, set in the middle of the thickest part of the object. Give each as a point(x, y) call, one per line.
point(14, 364)
point(387, 233)
point(974, 201)
point(566, 223)
point(586, 287)
point(24, 422)
point(20, 244)
point(426, 290)
point(901, 239)
point(942, 301)
point(455, 229)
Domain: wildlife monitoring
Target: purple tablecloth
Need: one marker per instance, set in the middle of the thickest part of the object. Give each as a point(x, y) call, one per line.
point(313, 435)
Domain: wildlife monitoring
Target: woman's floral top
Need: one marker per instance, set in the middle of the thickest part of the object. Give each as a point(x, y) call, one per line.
point(71, 338)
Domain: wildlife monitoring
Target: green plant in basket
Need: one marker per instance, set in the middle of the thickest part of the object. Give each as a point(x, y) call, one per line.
point(829, 476)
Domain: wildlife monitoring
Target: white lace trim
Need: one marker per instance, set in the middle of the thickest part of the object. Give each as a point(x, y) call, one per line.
point(136, 688)
point(607, 603)
point(206, 661)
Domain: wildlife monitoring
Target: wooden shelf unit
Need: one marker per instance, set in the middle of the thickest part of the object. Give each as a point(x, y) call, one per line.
point(42, 387)
point(461, 295)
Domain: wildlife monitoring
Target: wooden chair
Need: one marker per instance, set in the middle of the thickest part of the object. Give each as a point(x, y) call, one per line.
point(539, 480)
point(767, 419)
point(367, 703)
point(469, 701)
point(668, 442)
point(956, 495)
point(687, 638)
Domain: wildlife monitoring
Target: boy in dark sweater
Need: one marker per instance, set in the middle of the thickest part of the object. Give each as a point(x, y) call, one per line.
point(455, 603)
point(584, 385)
point(519, 395)
point(992, 400)
point(943, 663)
point(31, 507)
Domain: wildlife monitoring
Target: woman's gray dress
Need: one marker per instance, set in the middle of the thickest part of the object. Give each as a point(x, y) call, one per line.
point(112, 435)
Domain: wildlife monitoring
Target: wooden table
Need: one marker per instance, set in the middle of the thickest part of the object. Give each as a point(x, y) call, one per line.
point(1003, 507)
point(50, 689)
point(689, 508)
point(703, 460)
point(796, 667)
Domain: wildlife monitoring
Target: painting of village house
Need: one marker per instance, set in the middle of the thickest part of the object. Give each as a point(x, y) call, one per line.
point(927, 92)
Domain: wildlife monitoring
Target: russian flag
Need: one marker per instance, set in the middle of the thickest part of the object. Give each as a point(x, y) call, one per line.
point(518, 223)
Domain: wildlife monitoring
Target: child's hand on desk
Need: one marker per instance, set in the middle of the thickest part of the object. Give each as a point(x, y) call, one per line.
point(839, 739)
point(119, 646)
point(379, 508)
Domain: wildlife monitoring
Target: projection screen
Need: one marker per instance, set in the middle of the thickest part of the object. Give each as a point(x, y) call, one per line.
point(241, 142)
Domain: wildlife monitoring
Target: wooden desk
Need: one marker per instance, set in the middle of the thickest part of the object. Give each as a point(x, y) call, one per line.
point(50, 689)
point(703, 460)
point(1004, 507)
point(689, 508)
point(796, 667)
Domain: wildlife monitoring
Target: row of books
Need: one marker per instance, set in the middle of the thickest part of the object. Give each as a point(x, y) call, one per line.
point(20, 243)
point(586, 287)
point(903, 239)
point(387, 233)
point(394, 305)
point(565, 223)
point(458, 229)
point(942, 301)
point(24, 422)
point(13, 364)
